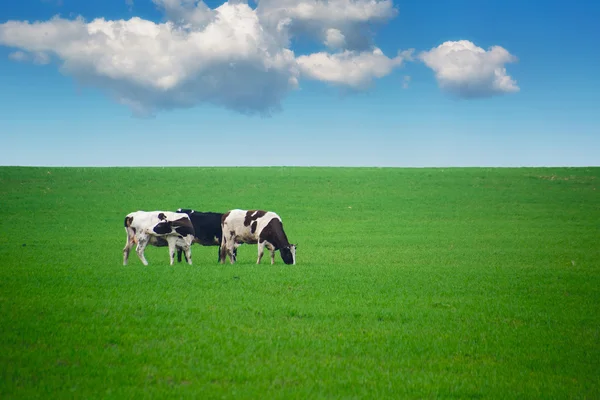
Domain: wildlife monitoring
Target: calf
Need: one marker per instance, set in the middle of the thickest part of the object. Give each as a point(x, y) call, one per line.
point(158, 228)
point(255, 227)
point(207, 228)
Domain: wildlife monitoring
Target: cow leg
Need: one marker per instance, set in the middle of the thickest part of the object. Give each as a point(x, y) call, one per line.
point(141, 246)
point(126, 251)
point(231, 251)
point(261, 250)
point(227, 248)
point(188, 254)
point(128, 246)
point(171, 240)
point(272, 250)
point(180, 251)
point(222, 251)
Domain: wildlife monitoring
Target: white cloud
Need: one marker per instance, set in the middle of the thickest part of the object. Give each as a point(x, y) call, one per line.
point(232, 62)
point(350, 18)
point(334, 38)
point(466, 70)
point(37, 57)
point(228, 56)
point(405, 82)
point(19, 56)
point(238, 57)
point(349, 68)
point(189, 13)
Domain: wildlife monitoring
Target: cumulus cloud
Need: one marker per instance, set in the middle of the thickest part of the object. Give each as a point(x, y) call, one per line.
point(240, 57)
point(190, 13)
point(468, 71)
point(334, 38)
point(349, 68)
point(233, 56)
point(324, 20)
point(232, 62)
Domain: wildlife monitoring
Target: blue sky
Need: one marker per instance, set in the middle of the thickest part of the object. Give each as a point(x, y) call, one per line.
point(295, 82)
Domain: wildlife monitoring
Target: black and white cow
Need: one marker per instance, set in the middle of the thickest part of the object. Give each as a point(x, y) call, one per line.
point(158, 228)
point(255, 227)
point(207, 228)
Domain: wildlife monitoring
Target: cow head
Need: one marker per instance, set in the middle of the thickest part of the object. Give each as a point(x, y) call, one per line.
point(288, 254)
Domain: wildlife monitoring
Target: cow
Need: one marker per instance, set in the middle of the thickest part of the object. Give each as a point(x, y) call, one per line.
point(158, 228)
point(255, 227)
point(207, 228)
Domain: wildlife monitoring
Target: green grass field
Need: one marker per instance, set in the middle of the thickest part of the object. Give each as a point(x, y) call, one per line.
point(409, 283)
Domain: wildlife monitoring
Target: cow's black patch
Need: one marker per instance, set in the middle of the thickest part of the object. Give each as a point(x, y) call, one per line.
point(250, 217)
point(286, 255)
point(183, 231)
point(183, 226)
point(162, 216)
point(207, 226)
point(274, 234)
point(162, 228)
point(158, 241)
point(253, 227)
point(128, 221)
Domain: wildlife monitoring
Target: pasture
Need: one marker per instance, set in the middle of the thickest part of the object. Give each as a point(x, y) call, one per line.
point(409, 283)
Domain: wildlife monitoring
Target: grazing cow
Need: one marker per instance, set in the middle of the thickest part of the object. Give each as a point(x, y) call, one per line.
point(255, 227)
point(158, 228)
point(207, 228)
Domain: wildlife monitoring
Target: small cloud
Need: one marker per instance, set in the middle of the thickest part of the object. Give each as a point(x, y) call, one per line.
point(37, 57)
point(326, 21)
point(334, 39)
point(348, 68)
point(468, 71)
point(40, 58)
point(407, 55)
point(405, 82)
point(19, 56)
point(129, 4)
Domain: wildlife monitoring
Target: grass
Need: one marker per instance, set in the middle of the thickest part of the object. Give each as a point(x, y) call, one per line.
point(409, 283)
